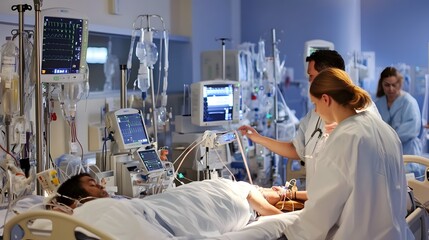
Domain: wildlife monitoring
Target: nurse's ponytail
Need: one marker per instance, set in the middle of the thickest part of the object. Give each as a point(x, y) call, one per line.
point(337, 84)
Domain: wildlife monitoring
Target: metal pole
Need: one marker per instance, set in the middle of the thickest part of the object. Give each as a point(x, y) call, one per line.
point(276, 161)
point(123, 68)
point(154, 112)
point(222, 40)
point(38, 90)
point(21, 95)
point(276, 113)
point(21, 68)
point(223, 59)
point(152, 92)
point(46, 108)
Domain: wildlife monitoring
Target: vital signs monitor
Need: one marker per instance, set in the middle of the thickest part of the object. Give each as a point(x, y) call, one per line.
point(63, 43)
point(128, 128)
point(215, 102)
point(150, 160)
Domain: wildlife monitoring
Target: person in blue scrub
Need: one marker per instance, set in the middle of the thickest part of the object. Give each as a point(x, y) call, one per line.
point(400, 110)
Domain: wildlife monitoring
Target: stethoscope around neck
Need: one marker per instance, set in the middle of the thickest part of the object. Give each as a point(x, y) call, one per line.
point(317, 129)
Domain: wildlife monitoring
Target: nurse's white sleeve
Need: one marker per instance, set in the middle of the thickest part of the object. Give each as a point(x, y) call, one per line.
point(326, 196)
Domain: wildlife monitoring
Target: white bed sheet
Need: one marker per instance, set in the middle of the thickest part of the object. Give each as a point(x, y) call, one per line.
point(219, 214)
point(268, 227)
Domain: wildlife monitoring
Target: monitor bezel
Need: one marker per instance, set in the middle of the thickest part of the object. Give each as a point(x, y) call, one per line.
point(197, 117)
point(66, 13)
point(113, 127)
point(145, 169)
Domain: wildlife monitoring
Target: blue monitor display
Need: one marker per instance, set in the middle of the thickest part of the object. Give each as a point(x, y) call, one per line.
point(132, 129)
point(215, 102)
point(218, 102)
point(151, 160)
point(62, 45)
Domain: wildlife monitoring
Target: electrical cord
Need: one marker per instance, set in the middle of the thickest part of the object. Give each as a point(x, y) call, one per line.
point(185, 154)
point(9, 153)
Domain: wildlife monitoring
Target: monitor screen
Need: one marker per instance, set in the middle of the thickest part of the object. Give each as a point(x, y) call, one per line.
point(132, 129)
point(63, 43)
point(218, 102)
point(215, 102)
point(151, 161)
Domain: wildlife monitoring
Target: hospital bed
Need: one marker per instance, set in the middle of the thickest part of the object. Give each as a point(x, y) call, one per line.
point(116, 218)
point(63, 227)
point(418, 220)
point(265, 228)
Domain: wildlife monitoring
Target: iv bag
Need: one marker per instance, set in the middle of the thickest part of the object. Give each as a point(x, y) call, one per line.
point(70, 94)
point(147, 53)
point(9, 77)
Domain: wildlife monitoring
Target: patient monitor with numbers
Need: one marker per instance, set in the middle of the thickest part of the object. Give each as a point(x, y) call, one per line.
point(63, 44)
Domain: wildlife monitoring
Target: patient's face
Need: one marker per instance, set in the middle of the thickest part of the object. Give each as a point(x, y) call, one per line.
point(93, 188)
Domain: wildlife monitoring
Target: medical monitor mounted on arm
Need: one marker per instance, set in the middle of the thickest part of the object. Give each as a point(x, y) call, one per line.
point(215, 102)
point(63, 43)
point(128, 129)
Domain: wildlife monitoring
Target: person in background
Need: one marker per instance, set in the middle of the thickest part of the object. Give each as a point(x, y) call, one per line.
point(400, 110)
point(360, 170)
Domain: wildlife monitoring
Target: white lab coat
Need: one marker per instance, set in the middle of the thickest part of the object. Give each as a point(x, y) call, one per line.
point(306, 146)
point(361, 190)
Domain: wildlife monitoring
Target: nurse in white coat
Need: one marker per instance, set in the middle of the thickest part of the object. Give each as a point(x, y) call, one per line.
point(400, 110)
point(359, 189)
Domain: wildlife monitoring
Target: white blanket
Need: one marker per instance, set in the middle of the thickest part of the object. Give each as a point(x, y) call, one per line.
point(204, 210)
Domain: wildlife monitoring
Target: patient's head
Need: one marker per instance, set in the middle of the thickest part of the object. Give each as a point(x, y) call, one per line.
point(79, 189)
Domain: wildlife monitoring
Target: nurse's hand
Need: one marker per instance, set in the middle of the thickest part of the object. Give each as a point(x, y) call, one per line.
point(249, 132)
point(246, 130)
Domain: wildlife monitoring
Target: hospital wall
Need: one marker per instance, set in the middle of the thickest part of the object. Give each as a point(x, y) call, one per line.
point(396, 31)
point(296, 22)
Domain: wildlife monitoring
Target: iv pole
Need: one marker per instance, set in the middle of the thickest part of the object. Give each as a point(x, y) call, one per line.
point(21, 8)
point(275, 84)
point(276, 157)
point(149, 30)
point(223, 55)
point(38, 90)
point(124, 81)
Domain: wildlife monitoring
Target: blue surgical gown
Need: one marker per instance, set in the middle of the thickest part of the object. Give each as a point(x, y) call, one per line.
point(403, 116)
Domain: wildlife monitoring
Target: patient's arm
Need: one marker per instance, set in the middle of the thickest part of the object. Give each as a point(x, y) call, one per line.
point(260, 204)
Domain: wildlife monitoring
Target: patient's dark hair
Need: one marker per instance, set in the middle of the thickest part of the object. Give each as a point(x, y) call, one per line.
point(72, 188)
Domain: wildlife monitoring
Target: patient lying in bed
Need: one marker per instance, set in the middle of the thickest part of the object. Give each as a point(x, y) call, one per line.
point(195, 210)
